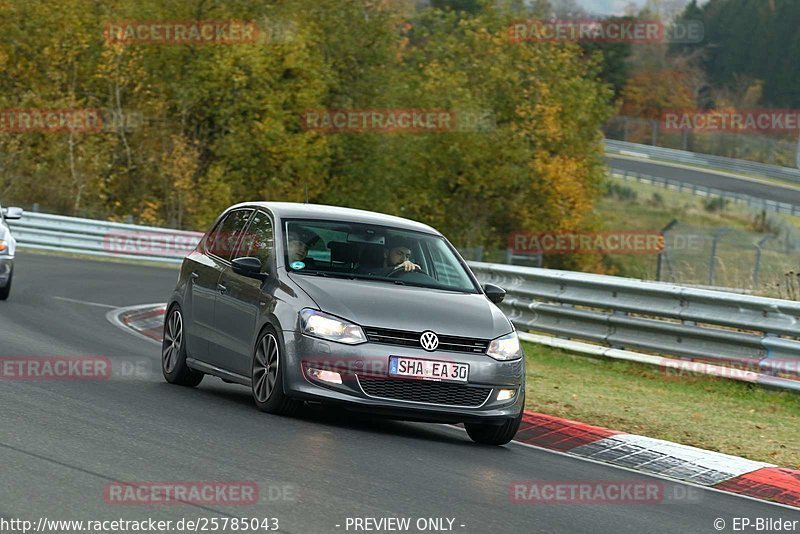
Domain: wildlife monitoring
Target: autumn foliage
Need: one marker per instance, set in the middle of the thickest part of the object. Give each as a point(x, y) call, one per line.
point(221, 124)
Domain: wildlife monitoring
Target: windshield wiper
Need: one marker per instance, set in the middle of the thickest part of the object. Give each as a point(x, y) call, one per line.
point(325, 274)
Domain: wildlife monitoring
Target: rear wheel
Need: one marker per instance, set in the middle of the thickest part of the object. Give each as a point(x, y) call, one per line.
point(267, 376)
point(6, 291)
point(173, 352)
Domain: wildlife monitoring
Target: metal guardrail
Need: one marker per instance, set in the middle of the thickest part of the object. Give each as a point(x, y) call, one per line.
point(756, 333)
point(100, 238)
point(738, 166)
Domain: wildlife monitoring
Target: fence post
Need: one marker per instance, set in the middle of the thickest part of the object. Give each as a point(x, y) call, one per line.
point(712, 260)
point(662, 255)
point(757, 268)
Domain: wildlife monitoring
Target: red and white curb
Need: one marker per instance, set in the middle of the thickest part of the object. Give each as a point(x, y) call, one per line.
point(662, 458)
point(145, 321)
point(653, 456)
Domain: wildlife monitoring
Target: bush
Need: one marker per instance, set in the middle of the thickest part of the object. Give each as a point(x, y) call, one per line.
point(622, 192)
point(715, 204)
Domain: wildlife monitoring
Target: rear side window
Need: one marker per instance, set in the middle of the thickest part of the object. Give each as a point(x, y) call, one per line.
point(221, 242)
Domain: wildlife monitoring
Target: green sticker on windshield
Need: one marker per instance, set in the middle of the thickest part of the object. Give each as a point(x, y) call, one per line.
point(297, 265)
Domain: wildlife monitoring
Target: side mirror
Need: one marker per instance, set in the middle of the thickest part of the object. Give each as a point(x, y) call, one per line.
point(248, 266)
point(494, 293)
point(12, 213)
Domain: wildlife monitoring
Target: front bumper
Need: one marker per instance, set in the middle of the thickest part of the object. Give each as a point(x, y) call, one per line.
point(359, 364)
point(6, 267)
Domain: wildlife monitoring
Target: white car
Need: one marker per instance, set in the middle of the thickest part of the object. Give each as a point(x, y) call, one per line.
point(7, 247)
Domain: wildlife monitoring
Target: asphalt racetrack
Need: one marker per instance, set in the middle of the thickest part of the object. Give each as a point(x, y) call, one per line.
point(717, 180)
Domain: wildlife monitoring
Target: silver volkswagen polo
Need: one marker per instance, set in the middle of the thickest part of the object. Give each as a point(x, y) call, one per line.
point(372, 312)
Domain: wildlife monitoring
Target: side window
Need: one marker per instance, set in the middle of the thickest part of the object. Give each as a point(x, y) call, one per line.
point(211, 236)
point(258, 240)
point(222, 240)
point(444, 270)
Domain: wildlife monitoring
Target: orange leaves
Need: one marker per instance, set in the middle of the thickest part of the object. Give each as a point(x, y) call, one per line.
point(648, 93)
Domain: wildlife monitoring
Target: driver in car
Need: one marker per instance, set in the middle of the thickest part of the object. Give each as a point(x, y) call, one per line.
point(398, 256)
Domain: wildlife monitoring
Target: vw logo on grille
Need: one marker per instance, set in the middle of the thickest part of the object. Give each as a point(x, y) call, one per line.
point(429, 341)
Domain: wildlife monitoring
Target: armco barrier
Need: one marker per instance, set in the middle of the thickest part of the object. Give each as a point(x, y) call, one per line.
point(755, 333)
point(100, 238)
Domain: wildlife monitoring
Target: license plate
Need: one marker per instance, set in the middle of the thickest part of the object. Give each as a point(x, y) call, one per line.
point(428, 369)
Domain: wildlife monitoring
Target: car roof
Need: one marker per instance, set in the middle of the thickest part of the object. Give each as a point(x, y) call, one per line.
point(297, 210)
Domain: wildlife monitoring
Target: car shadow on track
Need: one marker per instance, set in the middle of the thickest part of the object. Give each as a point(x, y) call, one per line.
point(336, 417)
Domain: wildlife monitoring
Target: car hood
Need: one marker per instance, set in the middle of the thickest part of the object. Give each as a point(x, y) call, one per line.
point(385, 305)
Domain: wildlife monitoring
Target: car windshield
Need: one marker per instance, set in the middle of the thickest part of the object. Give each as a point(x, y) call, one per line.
point(370, 252)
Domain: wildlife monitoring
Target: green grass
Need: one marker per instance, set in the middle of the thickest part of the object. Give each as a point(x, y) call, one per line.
point(715, 414)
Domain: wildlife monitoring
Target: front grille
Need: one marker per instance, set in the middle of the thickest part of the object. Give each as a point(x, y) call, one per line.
point(425, 391)
point(405, 338)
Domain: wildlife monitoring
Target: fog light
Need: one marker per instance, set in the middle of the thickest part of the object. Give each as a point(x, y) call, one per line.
point(325, 376)
point(505, 394)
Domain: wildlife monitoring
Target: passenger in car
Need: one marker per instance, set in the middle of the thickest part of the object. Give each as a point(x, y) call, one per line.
point(298, 244)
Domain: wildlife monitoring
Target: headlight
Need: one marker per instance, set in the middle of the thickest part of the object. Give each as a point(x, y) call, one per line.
point(505, 348)
point(319, 324)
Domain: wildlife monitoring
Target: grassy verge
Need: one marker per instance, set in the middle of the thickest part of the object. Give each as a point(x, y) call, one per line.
point(648, 207)
point(715, 414)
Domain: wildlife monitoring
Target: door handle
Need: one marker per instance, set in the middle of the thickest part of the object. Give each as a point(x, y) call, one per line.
point(222, 289)
point(194, 275)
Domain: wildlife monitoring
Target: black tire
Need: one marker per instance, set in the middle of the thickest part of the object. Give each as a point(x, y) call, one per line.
point(266, 372)
point(494, 434)
point(173, 352)
point(6, 291)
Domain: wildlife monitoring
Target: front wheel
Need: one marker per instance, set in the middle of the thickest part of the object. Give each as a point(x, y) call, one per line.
point(267, 376)
point(173, 352)
point(494, 434)
point(6, 290)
